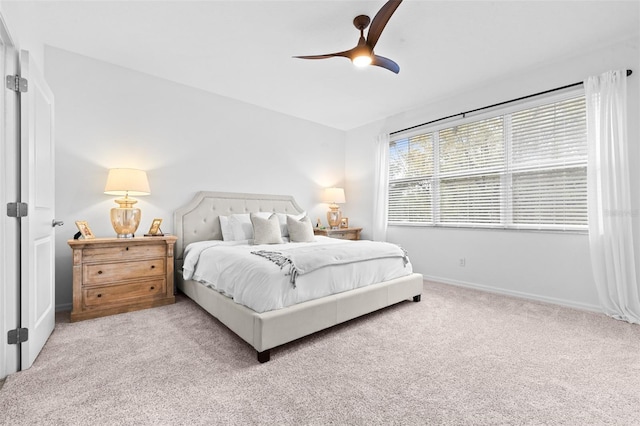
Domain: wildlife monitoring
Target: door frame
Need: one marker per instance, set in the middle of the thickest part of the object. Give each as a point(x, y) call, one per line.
point(9, 192)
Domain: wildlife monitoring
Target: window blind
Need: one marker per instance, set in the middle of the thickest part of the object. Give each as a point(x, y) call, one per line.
point(472, 147)
point(549, 165)
point(521, 169)
point(474, 200)
point(410, 175)
point(471, 157)
point(550, 134)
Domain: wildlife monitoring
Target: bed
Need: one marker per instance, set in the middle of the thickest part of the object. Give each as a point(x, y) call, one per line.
point(198, 221)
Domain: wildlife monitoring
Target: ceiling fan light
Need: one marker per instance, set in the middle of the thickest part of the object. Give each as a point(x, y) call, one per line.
point(362, 60)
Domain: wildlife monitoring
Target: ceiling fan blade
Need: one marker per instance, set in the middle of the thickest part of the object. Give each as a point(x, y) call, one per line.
point(346, 54)
point(380, 21)
point(381, 61)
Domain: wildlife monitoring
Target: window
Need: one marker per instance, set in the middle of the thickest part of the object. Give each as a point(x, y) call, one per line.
point(524, 169)
point(410, 176)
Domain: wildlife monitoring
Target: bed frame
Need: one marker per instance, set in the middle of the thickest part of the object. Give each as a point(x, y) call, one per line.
point(198, 221)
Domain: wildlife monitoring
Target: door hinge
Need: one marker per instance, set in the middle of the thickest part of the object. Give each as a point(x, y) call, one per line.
point(19, 335)
point(17, 83)
point(17, 209)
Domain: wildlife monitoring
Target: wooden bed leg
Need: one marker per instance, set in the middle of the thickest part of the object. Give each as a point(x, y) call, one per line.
point(264, 356)
point(417, 298)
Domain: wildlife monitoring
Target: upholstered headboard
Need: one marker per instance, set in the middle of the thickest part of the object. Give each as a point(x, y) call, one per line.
point(198, 219)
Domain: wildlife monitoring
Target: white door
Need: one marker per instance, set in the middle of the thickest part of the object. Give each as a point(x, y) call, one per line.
point(9, 192)
point(37, 190)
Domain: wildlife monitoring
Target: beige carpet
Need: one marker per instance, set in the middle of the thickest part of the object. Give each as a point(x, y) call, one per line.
point(458, 357)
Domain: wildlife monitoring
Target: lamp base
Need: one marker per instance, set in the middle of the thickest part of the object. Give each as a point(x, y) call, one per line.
point(125, 221)
point(334, 216)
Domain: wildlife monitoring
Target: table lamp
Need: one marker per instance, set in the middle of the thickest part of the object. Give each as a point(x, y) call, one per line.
point(334, 196)
point(125, 218)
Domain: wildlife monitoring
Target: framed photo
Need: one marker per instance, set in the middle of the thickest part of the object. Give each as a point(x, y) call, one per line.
point(155, 228)
point(344, 223)
point(84, 229)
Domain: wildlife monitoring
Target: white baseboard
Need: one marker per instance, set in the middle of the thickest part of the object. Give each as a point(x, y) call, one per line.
point(506, 292)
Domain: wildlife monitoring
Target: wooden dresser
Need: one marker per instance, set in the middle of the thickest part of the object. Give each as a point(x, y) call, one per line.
point(342, 233)
point(113, 275)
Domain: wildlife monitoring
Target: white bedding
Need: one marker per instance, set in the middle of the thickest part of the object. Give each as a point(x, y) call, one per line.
point(230, 268)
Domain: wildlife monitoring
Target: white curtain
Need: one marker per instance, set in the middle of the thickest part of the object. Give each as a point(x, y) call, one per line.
point(609, 196)
point(381, 188)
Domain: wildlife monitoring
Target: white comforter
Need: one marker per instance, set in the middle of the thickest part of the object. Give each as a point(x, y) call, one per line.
point(251, 280)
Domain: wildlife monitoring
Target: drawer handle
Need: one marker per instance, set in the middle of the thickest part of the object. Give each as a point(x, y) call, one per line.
point(152, 288)
point(153, 266)
point(127, 248)
point(99, 295)
point(99, 272)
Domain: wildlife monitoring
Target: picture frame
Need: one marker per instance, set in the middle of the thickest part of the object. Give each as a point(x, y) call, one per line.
point(344, 222)
point(85, 230)
point(154, 230)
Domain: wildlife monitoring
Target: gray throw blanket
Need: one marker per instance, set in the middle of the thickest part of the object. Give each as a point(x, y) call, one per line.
point(302, 260)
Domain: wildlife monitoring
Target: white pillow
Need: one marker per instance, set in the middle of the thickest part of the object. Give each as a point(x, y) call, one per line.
point(241, 225)
point(266, 231)
point(225, 227)
point(282, 217)
point(300, 231)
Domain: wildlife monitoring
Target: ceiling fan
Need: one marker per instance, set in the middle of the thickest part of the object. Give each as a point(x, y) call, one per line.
point(362, 55)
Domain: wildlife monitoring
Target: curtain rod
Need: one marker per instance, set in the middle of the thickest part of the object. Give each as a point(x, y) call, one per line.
point(463, 114)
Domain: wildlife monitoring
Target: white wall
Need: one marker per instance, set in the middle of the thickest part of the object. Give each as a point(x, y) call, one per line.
point(190, 140)
point(547, 266)
point(187, 140)
point(15, 19)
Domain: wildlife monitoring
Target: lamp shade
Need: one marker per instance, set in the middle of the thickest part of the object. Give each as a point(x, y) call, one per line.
point(334, 196)
point(127, 182)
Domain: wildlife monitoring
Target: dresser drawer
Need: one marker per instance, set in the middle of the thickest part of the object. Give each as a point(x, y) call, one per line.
point(341, 233)
point(102, 273)
point(123, 252)
point(133, 292)
point(344, 235)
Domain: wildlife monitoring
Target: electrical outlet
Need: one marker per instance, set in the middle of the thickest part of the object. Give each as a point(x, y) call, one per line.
point(463, 261)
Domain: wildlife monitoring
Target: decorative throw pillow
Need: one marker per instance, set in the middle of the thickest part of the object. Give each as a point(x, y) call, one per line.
point(266, 231)
point(300, 231)
point(225, 227)
point(282, 217)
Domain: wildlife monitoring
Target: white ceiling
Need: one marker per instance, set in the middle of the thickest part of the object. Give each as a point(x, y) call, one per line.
point(243, 49)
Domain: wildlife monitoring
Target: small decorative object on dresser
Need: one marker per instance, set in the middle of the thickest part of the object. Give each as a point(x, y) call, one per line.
point(112, 275)
point(344, 222)
point(85, 231)
point(342, 233)
point(155, 231)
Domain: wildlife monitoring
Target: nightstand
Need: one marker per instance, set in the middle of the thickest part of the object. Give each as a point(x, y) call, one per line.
point(342, 233)
point(115, 275)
